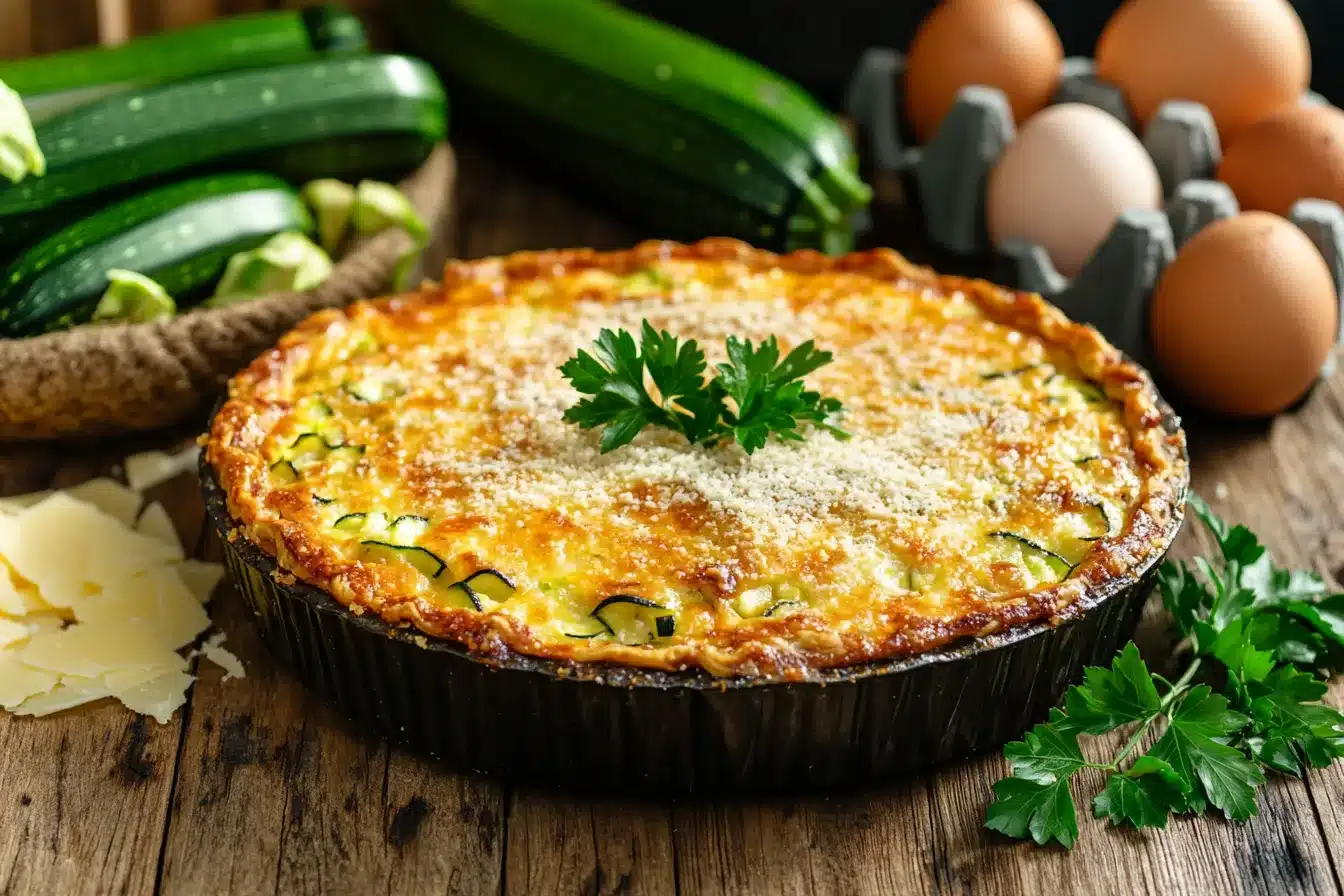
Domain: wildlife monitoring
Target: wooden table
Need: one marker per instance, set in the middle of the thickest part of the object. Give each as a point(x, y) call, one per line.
point(257, 787)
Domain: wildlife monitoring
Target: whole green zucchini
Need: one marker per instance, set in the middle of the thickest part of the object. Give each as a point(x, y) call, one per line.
point(56, 82)
point(349, 118)
point(180, 235)
point(681, 133)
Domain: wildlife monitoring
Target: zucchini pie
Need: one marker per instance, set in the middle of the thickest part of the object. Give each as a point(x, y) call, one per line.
point(410, 457)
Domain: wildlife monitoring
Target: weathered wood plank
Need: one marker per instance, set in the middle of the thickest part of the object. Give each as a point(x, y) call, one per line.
point(63, 24)
point(877, 842)
point(561, 845)
point(15, 28)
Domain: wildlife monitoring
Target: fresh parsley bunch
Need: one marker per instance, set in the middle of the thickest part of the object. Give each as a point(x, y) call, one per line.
point(1260, 641)
point(752, 396)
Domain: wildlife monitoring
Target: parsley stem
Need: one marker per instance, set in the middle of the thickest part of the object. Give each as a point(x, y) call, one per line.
point(1176, 691)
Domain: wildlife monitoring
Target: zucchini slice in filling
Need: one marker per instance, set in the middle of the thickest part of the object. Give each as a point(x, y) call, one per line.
point(1038, 558)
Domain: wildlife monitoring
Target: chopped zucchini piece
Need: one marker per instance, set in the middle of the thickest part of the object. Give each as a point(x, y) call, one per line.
point(1104, 522)
point(284, 471)
point(407, 529)
point(345, 455)
point(666, 625)
point(1042, 561)
point(754, 602)
point(490, 584)
point(351, 522)
point(630, 619)
point(459, 596)
point(318, 499)
point(425, 561)
point(310, 443)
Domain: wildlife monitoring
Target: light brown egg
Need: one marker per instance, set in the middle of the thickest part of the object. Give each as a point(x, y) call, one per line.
point(1244, 59)
point(1064, 181)
point(1297, 153)
point(1008, 44)
point(1245, 316)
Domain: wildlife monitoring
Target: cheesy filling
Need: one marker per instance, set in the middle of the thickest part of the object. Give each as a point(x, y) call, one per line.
point(421, 447)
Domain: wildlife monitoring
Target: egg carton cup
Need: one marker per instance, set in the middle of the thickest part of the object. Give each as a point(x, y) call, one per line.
point(946, 178)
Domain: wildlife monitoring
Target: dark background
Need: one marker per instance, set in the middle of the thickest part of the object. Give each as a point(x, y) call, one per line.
point(818, 42)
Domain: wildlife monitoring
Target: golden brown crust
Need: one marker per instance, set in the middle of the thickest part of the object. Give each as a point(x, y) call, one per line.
point(789, 647)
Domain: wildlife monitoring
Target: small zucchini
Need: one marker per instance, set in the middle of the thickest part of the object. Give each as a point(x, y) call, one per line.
point(353, 117)
point(665, 126)
point(52, 83)
point(181, 236)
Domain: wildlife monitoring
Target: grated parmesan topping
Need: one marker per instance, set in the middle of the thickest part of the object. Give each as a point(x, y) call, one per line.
point(962, 429)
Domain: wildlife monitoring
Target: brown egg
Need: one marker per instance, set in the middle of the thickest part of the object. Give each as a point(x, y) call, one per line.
point(1244, 59)
point(1245, 316)
point(1295, 154)
point(1008, 44)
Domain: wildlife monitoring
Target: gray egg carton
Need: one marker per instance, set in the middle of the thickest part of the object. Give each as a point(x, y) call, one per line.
point(1114, 288)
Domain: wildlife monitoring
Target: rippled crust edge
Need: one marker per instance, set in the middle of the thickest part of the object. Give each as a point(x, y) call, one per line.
point(795, 647)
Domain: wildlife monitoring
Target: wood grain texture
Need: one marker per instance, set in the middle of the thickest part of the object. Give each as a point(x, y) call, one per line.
point(62, 24)
point(15, 29)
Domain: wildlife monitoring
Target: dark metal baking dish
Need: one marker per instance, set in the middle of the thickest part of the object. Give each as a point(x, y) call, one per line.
point(603, 727)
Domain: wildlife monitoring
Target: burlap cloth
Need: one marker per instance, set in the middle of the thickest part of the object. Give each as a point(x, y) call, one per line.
point(94, 381)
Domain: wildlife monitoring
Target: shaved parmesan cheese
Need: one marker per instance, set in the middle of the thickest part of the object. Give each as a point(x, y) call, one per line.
point(91, 651)
point(19, 682)
point(38, 623)
point(201, 577)
point(156, 523)
point(97, 599)
point(157, 601)
point(12, 632)
point(133, 676)
point(151, 468)
point(159, 697)
point(109, 496)
point(71, 692)
point(214, 651)
point(60, 529)
point(15, 503)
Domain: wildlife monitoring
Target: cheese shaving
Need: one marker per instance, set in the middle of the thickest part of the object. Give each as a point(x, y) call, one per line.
point(201, 577)
point(12, 632)
point(214, 651)
point(151, 468)
point(97, 601)
point(109, 496)
point(156, 523)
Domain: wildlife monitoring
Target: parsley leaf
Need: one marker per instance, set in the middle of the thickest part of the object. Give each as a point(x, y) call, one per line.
point(1108, 698)
point(1045, 754)
point(1144, 796)
point(1044, 811)
point(767, 394)
point(1265, 633)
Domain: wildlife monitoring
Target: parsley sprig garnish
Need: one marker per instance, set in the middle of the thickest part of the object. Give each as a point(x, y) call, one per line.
point(1260, 639)
point(750, 397)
